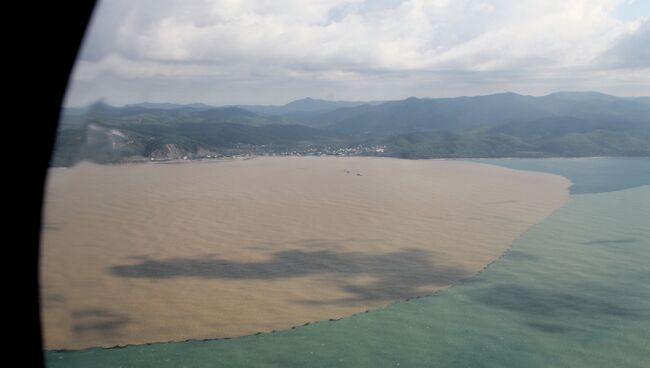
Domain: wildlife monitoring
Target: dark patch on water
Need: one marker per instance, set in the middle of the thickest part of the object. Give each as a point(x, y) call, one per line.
point(98, 321)
point(611, 241)
point(397, 274)
point(541, 302)
point(520, 256)
point(474, 280)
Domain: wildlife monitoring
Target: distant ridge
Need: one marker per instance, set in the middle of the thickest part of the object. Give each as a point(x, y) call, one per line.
point(305, 105)
point(169, 106)
point(497, 125)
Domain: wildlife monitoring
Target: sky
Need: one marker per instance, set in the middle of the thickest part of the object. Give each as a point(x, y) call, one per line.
point(270, 52)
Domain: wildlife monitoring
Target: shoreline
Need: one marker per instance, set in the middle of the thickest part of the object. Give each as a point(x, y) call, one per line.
point(252, 156)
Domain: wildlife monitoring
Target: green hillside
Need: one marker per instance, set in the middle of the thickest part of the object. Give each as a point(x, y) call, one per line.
point(500, 125)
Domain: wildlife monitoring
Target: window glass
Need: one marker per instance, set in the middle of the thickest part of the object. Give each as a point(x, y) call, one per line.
point(352, 183)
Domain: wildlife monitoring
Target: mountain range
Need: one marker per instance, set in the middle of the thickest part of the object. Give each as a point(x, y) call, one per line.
point(568, 124)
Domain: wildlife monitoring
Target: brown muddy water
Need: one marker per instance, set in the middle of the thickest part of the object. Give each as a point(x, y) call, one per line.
point(165, 252)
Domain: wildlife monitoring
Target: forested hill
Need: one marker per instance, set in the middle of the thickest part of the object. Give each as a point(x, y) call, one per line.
point(506, 124)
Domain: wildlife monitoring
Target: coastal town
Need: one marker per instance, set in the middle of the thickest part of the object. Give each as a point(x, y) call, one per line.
point(173, 153)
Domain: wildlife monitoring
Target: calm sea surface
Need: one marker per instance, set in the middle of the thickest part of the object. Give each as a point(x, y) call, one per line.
point(574, 291)
point(589, 175)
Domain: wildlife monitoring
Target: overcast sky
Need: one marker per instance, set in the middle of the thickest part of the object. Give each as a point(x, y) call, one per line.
point(274, 51)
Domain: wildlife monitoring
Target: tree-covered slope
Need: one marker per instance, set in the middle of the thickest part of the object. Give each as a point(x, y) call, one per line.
point(506, 124)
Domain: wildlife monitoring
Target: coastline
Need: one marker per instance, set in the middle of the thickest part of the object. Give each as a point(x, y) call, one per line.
point(145, 160)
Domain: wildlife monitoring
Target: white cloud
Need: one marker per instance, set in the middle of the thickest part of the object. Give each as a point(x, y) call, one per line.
point(348, 40)
point(630, 50)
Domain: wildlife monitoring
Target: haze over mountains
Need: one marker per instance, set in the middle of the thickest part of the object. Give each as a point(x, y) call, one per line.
point(498, 125)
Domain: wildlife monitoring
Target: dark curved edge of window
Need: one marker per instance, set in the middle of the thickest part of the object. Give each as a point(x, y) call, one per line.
point(46, 40)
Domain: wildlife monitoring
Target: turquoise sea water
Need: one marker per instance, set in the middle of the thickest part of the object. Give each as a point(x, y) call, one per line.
point(589, 174)
point(574, 291)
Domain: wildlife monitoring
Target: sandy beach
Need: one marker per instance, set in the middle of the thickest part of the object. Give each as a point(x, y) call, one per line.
point(143, 253)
